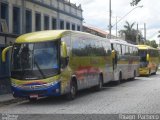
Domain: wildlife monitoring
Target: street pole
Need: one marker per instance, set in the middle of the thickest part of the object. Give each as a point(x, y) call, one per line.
point(110, 24)
point(145, 33)
point(137, 41)
point(116, 26)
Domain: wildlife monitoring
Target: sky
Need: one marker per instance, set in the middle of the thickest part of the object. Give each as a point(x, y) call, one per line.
point(96, 13)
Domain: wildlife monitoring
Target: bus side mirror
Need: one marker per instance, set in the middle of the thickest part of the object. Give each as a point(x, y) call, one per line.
point(63, 50)
point(64, 56)
point(4, 52)
point(147, 57)
point(113, 54)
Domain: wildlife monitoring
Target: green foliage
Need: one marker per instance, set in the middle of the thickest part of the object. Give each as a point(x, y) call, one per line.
point(134, 2)
point(152, 43)
point(130, 33)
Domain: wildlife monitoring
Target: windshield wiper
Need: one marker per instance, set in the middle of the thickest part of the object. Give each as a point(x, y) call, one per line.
point(37, 65)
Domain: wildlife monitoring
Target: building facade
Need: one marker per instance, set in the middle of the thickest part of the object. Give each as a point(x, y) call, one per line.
point(23, 16)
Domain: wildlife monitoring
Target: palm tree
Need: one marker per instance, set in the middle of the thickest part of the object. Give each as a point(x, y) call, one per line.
point(134, 2)
point(130, 32)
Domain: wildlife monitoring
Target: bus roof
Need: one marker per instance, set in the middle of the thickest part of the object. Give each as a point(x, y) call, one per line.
point(145, 47)
point(121, 42)
point(41, 36)
point(47, 35)
point(117, 41)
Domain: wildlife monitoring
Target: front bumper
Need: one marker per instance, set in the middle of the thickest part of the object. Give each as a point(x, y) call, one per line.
point(53, 90)
point(144, 71)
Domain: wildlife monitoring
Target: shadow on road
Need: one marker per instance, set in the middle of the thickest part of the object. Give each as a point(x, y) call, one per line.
point(151, 76)
point(87, 92)
point(62, 99)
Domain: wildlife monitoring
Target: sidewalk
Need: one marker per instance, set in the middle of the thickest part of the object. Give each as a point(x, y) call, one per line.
point(6, 97)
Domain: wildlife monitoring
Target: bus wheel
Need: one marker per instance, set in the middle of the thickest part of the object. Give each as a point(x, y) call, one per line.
point(73, 90)
point(100, 83)
point(155, 71)
point(117, 82)
point(134, 75)
point(120, 77)
point(149, 72)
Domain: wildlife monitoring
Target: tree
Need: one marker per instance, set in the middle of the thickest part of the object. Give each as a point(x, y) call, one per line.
point(130, 33)
point(152, 43)
point(134, 2)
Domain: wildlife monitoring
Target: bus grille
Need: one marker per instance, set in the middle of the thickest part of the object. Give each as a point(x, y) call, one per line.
point(37, 92)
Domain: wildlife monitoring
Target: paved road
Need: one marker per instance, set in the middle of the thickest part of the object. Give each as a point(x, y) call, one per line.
point(141, 95)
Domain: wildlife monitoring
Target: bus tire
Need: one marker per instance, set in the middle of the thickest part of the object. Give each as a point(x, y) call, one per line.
point(73, 90)
point(134, 75)
point(120, 76)
point(155, 71)
point(100, 83)
point(117, 82)
point(149, 72)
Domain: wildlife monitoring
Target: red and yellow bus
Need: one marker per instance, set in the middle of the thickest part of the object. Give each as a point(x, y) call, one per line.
point(57, 62)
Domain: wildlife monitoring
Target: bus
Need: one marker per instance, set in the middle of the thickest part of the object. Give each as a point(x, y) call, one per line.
point(58, 62)
point(126, 61)
point(149, 60)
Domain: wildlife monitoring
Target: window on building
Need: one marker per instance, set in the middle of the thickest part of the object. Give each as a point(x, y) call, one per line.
point(46, 22)
point(16, 20)
point(3, 26)
point(73, 26)
point(68, 26)
point(38, 22)
point(54, 23)
point(78, 28)
point(119, 49)
point(28, 21)
point(4, 13)
point(61, 24)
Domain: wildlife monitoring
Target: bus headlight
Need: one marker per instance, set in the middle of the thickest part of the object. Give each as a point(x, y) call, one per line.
point(34, 87)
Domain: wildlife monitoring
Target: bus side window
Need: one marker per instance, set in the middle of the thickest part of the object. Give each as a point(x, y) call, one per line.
point(123, 50)
point(119, 49)
point(131, 50)
point(127, 50)
point(67, 40)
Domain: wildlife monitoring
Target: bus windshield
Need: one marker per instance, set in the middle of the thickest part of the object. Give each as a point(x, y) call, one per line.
point(143, 60)
point(142, 54)
point(35, 60)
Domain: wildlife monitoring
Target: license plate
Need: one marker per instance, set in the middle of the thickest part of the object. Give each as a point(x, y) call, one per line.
point(33, 96)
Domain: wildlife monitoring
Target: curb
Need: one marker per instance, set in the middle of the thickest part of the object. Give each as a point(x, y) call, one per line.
point(11, 101)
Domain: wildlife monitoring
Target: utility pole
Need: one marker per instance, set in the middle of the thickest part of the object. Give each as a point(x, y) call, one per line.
point(145, 33)
point(116, 26)
point(110, 24)
point(137, 40)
